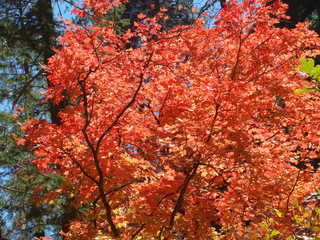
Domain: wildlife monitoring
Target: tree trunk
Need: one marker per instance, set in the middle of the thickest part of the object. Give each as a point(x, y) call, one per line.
point(48, 39)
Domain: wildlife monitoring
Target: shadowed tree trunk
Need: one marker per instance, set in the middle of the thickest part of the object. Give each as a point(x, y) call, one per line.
point(48, 39)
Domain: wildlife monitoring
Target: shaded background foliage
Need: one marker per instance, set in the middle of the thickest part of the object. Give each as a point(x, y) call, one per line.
point(303, 11)
point(28, 32)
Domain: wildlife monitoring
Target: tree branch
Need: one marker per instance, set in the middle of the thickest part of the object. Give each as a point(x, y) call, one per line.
point(129, 104)
point(100, 183)
point(80, 166)
point(213, 122)
point(25, 86)
point(138, 231)
point(177, 207)
point(187, 180)
point(292, 190)
point(17, 191)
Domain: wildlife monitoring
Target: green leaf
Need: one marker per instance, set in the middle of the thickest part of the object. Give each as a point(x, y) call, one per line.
point(265, 225)
point(296, 203)
point(305, 89)
point(301, 91)
point(309, 68)
point(307, 65)
point(297, 219)
point(279, 214)
point(291, 238)
point(316, 73)
point(272, 234)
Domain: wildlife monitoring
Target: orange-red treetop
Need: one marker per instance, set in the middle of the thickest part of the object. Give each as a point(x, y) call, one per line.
point(195, 127)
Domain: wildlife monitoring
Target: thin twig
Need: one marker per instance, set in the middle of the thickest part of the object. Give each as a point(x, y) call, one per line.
point(213, 121)
point(25, 86)
point(292, 190)
point(17, 191)
point(129, 104)
point(80, 166)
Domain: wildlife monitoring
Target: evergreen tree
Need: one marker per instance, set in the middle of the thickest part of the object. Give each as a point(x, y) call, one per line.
point(28, 33)
point(303, 11)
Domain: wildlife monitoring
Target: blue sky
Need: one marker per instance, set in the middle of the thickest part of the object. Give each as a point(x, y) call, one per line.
point(63, 9)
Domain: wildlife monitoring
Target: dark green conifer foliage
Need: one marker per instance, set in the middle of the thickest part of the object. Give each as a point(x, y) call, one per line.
point(303, 11)
point(28, 32)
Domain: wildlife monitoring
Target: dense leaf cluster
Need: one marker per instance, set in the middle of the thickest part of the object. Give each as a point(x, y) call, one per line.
point(191, 133)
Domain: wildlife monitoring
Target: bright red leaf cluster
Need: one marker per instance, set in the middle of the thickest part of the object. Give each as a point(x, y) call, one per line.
point(196, 128)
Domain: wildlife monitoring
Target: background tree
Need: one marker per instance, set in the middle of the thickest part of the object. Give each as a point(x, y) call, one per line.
point(303, 11)
point(28, 32)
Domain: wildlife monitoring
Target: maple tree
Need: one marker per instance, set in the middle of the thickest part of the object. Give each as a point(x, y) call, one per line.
point(197, 133)
point(29, 29)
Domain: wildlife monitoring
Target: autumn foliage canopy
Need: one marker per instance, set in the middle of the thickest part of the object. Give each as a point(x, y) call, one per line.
point(197, 133)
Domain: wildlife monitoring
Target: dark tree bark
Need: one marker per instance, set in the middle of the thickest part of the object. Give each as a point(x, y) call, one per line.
point(48, 38)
